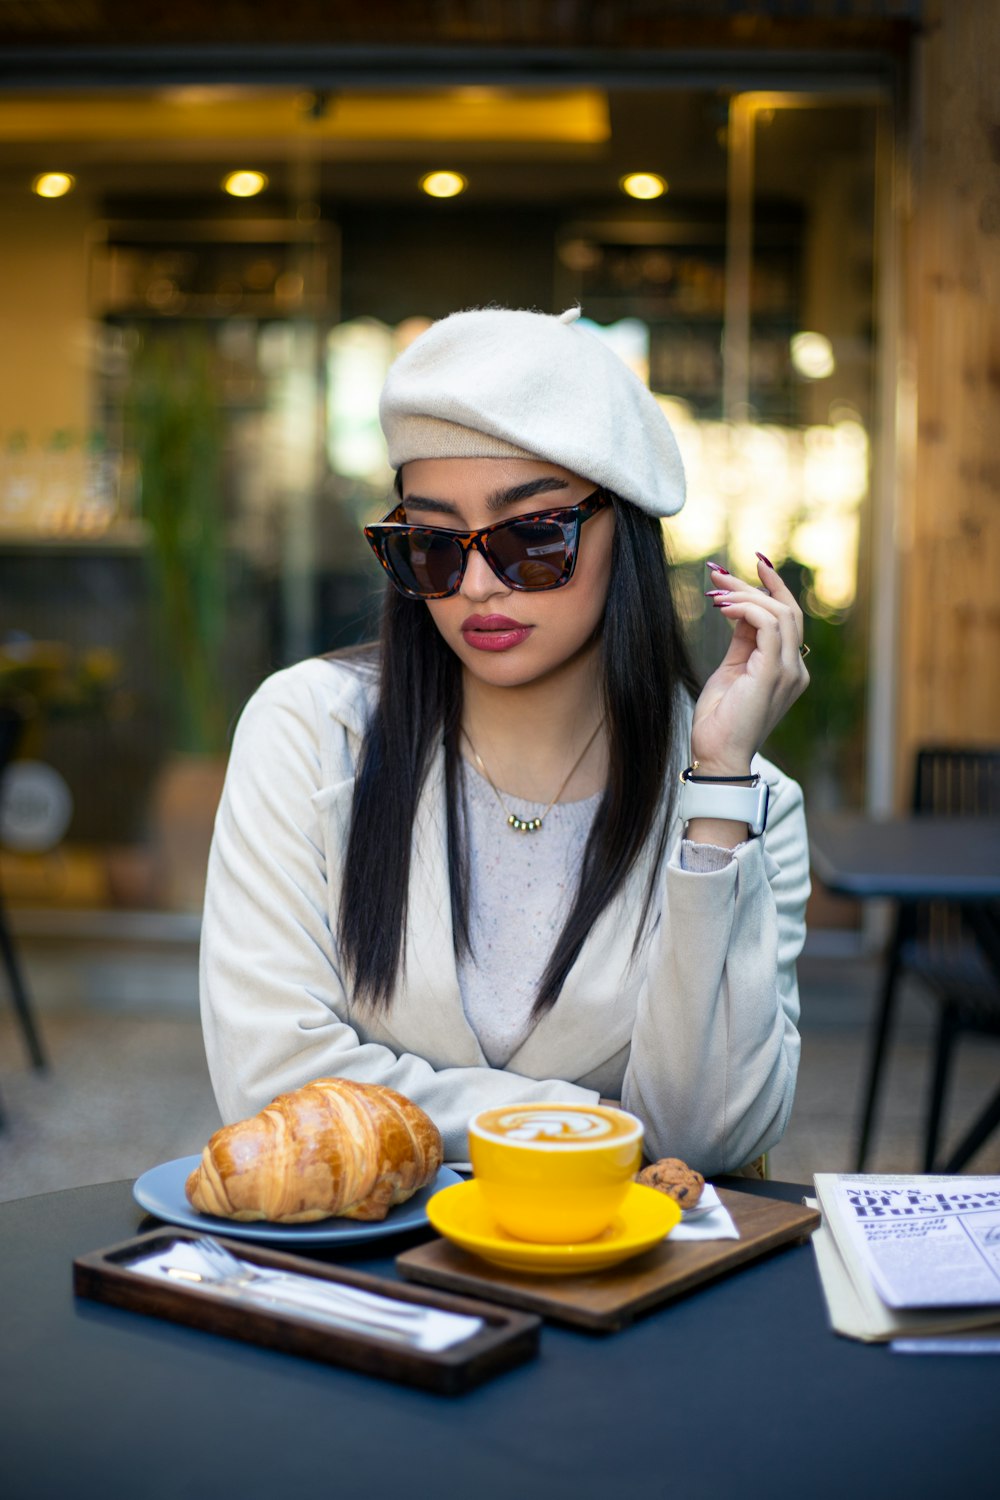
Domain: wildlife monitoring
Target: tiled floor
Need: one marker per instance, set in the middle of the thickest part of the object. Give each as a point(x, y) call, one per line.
point(128, 1086)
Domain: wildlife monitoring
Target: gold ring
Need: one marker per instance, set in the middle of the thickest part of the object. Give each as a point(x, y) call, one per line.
point(803, 651)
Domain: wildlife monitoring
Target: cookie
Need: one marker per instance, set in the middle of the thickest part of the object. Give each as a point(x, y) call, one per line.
point(675, 1178)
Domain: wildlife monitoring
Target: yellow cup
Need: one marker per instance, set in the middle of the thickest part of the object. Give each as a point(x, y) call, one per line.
point(554, 1174)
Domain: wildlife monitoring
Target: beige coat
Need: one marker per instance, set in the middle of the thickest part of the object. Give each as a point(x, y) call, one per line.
point(697, 1035)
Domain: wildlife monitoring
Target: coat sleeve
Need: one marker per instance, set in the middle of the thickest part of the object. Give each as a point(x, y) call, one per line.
point(274, 997)
point(715, 1047)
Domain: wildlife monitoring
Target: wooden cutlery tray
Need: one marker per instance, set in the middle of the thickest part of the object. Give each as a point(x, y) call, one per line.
point(507, 1338)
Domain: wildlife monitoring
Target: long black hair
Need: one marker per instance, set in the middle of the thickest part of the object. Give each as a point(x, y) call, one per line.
point(645, 668)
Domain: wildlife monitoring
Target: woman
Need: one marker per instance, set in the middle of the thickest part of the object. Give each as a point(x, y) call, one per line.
point(459, 865)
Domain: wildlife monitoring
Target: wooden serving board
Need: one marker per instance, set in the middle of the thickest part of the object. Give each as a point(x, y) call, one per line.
point(505, 1339)
point(607, 1300)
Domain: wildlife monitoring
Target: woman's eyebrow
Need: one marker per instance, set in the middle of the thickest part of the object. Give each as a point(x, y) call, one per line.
point(424, 502)
point(499, 498)
point(496, 500)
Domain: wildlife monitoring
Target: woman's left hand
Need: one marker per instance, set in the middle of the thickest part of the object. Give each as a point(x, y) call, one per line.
point(759, 678)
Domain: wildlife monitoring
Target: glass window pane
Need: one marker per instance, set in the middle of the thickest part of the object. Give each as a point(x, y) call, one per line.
point(188, 401)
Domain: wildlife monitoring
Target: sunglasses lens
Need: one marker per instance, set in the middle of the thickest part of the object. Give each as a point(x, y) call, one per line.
point(424, 562)
point(427, 563)
point(533, 554)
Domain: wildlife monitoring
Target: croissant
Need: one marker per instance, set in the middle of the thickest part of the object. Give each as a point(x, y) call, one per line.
point(333, 1147)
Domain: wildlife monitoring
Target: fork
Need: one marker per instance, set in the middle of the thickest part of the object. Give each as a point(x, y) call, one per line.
point(225, 1269)
point(239, 1271)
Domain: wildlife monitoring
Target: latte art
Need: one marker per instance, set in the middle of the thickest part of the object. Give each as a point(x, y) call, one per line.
point(552, 1125)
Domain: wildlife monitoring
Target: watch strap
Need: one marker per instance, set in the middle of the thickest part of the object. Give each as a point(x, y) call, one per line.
point(736, 804)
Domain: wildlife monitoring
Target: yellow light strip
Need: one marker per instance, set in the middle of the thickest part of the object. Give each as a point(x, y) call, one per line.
point(576, 116)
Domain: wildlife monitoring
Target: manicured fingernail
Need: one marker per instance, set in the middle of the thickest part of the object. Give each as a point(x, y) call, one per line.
point(766, 561)
point(717, 568)
point(715, 593)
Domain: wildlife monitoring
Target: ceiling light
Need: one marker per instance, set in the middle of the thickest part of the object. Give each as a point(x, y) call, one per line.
point(812, 355)
point(643, 185)
point(443, 184)
point(244, 184)
point(53, 184)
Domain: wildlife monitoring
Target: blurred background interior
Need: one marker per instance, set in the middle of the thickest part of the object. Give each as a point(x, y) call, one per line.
point(218, 230)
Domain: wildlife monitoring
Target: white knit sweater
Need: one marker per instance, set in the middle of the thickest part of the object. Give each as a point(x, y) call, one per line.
point(521, 891)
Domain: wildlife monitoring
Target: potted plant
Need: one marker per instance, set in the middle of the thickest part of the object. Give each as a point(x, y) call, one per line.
point(175, 428)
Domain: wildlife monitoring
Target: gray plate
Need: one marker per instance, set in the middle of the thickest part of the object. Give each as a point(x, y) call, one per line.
point(160, 1191)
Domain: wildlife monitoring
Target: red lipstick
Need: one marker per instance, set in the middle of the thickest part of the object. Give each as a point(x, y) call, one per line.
point(493, 632)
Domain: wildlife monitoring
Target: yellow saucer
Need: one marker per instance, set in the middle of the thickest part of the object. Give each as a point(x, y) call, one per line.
point(646, 1217)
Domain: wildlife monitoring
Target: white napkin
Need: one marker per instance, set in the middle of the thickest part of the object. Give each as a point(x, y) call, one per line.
point(433, 1331)
point(713, 1224)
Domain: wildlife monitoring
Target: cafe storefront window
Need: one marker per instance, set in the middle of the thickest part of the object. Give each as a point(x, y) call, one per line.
point(201, 290)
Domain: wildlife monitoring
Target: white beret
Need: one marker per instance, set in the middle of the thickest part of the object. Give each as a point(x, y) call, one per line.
point(500, 383)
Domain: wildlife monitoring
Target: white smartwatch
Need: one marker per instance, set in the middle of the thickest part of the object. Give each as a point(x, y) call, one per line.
point(724, 799)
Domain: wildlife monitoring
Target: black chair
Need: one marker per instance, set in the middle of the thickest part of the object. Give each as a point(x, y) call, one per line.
point(11, 729)
point(954, 948)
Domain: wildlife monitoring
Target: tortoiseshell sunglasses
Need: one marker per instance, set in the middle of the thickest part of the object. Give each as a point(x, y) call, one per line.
point(536, 551)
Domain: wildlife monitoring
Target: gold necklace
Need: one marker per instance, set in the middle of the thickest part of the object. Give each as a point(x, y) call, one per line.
point(530, 825)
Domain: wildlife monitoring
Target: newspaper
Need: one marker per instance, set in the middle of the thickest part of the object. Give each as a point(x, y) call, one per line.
point(920, 1242)
point(857, 1311)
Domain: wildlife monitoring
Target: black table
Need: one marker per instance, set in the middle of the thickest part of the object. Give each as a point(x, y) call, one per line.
point(919, 858)
point(739, 1389)
point(915, 859)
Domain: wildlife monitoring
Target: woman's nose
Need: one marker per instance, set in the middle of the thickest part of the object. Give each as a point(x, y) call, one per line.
point(480, 581)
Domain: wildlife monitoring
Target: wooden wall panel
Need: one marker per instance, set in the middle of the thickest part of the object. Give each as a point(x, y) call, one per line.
point(950, 522)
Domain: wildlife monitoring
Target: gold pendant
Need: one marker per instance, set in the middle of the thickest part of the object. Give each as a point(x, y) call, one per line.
point(523, 825)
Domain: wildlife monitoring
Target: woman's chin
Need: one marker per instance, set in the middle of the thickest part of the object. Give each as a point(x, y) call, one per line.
point(502, 669)
point(521, 666)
